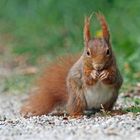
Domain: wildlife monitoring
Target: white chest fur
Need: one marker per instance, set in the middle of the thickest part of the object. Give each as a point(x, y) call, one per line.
point(97, 95)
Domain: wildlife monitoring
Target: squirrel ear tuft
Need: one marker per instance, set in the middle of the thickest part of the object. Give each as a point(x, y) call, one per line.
point(87, 30)
point(105, 29)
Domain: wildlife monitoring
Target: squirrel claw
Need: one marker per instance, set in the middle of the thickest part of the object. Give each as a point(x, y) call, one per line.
point(103, 75)
point(94, 74)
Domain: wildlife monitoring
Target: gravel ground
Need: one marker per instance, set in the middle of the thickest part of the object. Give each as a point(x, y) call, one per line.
point(14, 127)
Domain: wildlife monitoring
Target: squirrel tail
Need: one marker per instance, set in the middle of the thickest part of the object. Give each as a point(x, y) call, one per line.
point(52, 91)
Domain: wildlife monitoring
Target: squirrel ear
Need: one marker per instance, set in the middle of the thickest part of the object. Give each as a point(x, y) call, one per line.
point(87, 31)
point(105, 29)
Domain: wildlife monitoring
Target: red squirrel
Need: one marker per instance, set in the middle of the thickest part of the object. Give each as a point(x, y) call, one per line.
point(80, 83)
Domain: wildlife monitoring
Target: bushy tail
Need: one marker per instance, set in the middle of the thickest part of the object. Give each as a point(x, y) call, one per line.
point(52, 88)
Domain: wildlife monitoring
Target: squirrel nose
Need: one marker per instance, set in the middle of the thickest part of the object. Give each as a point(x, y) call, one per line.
point(98, 66)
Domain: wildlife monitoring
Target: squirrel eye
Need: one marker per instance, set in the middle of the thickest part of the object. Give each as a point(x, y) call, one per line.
point(88, 53)
point(107, 52)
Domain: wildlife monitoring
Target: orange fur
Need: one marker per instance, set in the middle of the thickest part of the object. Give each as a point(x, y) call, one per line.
point(52, 88)
point(87, 30)
point(104, 26)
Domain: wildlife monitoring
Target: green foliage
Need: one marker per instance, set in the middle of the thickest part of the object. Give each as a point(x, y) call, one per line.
point(133, 109)
point(55, 27)
point(17, 84)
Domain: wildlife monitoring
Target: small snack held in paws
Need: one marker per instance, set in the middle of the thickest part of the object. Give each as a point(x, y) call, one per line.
point(81, 84)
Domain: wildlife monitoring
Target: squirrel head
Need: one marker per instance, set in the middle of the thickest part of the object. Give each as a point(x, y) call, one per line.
point(98, 52)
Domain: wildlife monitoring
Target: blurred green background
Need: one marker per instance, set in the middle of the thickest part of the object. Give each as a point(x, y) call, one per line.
point(45, 29)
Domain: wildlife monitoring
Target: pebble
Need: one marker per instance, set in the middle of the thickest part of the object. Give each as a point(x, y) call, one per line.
point(14, 127)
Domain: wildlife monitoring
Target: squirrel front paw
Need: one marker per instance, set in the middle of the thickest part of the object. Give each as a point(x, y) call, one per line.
point(95, 74)
point(103, 75)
